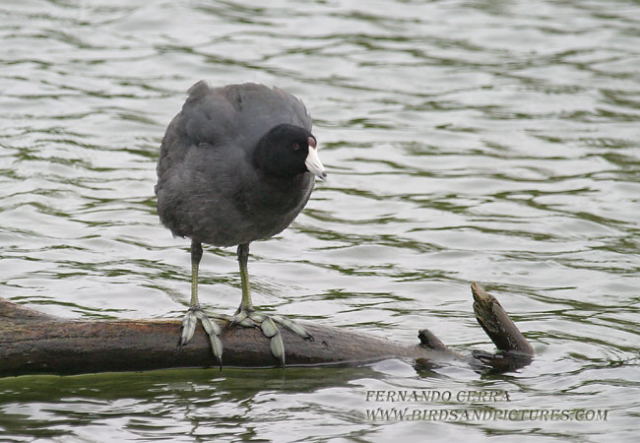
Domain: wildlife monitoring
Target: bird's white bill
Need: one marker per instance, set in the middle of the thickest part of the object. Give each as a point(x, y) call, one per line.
point(314, 165)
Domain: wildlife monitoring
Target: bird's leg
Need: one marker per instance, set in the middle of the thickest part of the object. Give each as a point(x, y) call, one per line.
point(196, 256)
point(196, 313)
point(245, 310)
point(243, 258)
point(246, 315)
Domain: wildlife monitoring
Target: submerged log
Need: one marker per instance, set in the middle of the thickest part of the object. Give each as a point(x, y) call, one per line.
point(35, 343)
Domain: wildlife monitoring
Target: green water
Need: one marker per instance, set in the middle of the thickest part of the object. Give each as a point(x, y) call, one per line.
point(495, 141)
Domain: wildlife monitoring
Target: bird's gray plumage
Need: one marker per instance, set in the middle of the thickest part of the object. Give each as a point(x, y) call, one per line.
point(208, 186)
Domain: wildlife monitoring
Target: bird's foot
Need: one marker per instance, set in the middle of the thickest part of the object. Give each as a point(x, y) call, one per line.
point(248, 318)
point(212, 329)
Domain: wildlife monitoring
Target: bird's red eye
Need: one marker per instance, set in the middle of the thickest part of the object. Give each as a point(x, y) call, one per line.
point(296, 146)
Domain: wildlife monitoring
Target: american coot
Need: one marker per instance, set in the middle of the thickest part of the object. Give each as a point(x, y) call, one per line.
point(237, 164)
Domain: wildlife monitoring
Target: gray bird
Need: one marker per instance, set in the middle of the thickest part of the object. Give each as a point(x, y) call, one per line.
point(237, 164)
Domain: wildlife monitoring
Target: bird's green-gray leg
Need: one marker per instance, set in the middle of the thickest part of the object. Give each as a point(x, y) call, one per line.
point(243, 258)
point(246, 316)
point(196, 313)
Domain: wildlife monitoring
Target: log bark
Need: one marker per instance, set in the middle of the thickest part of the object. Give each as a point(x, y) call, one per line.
point(35, 343)
point(514, 351)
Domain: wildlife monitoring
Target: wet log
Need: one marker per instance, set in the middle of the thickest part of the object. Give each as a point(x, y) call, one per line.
point(35, 343)
point(514, 351)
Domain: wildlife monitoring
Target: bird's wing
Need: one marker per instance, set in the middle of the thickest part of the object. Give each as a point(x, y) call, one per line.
point(241, 113)
point(235, 115)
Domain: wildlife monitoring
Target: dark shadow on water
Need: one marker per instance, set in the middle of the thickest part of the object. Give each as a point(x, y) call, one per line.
point(226, 385)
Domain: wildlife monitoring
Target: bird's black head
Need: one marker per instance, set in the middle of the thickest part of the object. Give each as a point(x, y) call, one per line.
point(288, 150)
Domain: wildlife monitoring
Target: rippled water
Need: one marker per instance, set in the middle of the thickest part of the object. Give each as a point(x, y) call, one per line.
point(489, 140)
